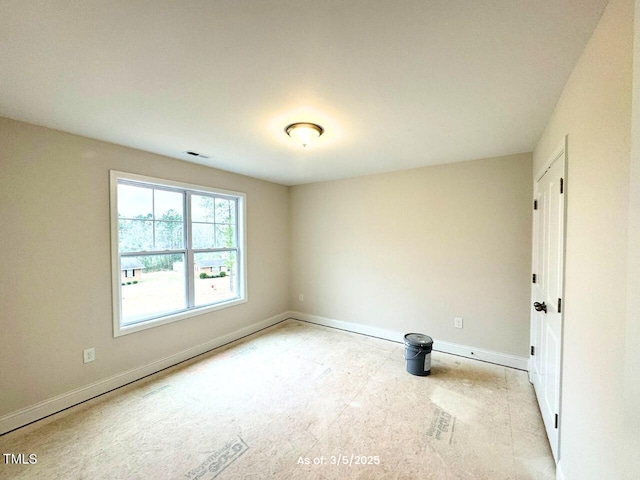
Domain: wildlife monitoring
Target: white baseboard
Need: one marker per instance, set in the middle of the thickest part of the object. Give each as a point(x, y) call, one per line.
point(350, 327)
point(559, 472)
point(53, 405)
point(504, 359)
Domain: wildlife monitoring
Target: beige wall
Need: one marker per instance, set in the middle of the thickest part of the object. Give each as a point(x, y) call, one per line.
point(595, 111)
point(54, 206)
point(410, 250)
point(632, 333)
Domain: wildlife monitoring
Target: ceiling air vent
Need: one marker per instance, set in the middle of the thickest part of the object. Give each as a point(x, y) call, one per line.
point(196, 154)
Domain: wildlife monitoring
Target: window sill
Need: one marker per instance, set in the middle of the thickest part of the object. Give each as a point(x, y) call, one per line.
point(120, 330)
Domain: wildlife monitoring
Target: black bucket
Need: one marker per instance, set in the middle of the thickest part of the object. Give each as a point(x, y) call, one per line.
point(417, 353)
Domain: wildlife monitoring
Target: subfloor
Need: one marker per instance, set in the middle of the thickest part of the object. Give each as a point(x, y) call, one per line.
point(298, 401)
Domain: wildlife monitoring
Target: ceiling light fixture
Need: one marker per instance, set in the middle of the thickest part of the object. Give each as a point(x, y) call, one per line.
point(305, 133)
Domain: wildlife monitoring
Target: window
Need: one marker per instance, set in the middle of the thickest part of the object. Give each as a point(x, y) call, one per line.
point(180, 247)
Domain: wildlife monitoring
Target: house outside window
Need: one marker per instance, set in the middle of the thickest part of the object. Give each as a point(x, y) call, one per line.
point(168, 230)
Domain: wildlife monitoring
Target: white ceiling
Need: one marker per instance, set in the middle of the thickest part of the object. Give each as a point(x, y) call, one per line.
point(395, 83)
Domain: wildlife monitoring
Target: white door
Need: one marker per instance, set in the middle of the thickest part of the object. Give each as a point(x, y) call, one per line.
point(547, 292)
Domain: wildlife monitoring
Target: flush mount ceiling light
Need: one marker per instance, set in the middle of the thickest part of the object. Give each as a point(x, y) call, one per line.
point(305, 133)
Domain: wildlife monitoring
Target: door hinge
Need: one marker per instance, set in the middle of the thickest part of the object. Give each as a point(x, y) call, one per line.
point(533, 278)
point(561, 185)
point(533, 350)
point(556, 420)
point(559, 305)
point(535, 204)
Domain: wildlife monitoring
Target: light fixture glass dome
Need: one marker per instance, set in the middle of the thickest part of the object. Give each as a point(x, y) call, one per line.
point(305, 133)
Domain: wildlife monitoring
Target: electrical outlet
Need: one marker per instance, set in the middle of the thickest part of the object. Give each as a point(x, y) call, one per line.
point(457, 322)
point(301, 298)
point(89, 355)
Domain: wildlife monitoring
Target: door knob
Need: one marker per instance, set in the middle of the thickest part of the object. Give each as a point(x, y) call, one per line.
point(540, 307)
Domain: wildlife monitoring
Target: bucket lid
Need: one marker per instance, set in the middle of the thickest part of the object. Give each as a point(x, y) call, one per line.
point(418, 340)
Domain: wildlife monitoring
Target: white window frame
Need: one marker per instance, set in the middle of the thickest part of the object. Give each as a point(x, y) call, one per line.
point(118, 328)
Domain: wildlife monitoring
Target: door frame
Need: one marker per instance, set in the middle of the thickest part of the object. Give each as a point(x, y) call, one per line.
point(559, 151)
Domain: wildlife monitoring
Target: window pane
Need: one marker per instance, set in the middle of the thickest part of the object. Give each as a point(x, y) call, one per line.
point(135, 202)
point(203, 235)
point(216, 277)
point(169, 236)
point(168, 205)
point(225, 236)
point(159, 286)
point(232, 211)
point(202, 208)
point(135, 235)
point(222, 210)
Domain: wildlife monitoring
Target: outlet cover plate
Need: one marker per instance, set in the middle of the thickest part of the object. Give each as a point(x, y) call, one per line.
point(457, 322)
point(89, 355)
